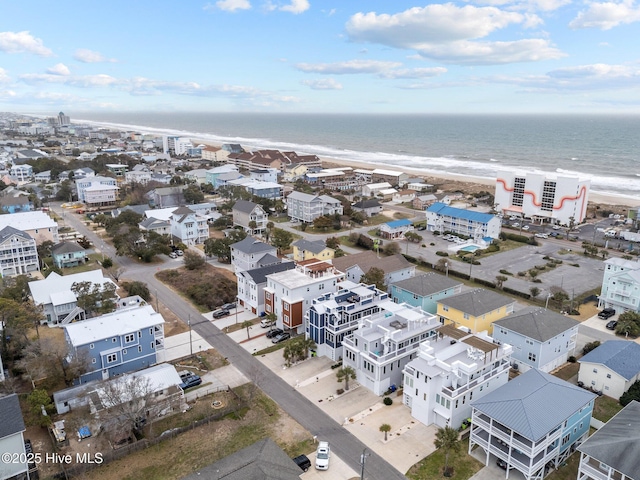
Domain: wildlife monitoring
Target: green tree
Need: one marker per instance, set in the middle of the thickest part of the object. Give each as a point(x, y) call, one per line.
point(628, 324)
point(500, 279)
point(38, 400)
point(281, 239)
point(534, 291)
point(633, 393)
point(193, 260)
point(107, 263)
point(447, 440)
point(247, 324)
point(95, 298)
point(413, 237)
point(345, 373)
point(391, 248)
point(333, 242)
point(137, 288)
point(375, 276)
point(193, 194)
point(324, 222)
point(253, 225)
point(385, 428)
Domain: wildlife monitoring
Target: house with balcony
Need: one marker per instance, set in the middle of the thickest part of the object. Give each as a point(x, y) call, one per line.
point(425, 290)
point(57, 300)
point(18, 253)
point(251, 284)
point(610, 453)
point(477, 225)
point(395, 267)
point(119, 170)
point(12, 430)
point(164, 197)
point(306, 249)
point(289, 294)
point(244, 212)
point(620, 285)
point(611, 368)
point(305, 208)
point(139, 174)
point(334, 316)
point(396, 229)
point(38, 225)
point(385, 342)
point(15, 203)
point(451, 369)
point(475, 309)
point(541, 338)
point(68, 254)
point(369, 207)
point(152, 224)
point(97, 191)
point(188, 226)
point(126, 340)
point(21, 173)
point(250, 253)
point(534, 420)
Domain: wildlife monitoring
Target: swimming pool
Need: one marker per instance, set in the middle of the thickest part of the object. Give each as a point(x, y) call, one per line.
point(470, 248)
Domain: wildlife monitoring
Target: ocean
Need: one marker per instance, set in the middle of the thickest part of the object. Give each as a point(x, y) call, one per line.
point(604, 149)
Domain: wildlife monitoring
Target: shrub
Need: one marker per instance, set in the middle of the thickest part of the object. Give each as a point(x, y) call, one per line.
point(575, 265)
point(516, 292)
point(506, 272)
point(340, 391)
point(572, 359)
point(387, 400)
point(486, 283)
point(590, 346)
point(440, 253)
point(536, 280)
point(107, 262)
point(541, 267)
point(494, 247)
point(522, 274)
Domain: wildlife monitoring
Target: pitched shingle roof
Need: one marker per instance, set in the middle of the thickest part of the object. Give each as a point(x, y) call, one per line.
point(368, 259)
point(533, 403)
point(11, 421)
point(621, 356)
point(427, 284)
point(259, 275)
point(477, 302)
point(313, 246)
point(251, 245)
point(7, 232)
point(537, 323)
point(66, 247)
point(244, 206)
point(367, 204)
point(617, 443)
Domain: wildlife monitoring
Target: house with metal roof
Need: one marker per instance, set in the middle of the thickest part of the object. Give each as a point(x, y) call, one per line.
point(395, 267)
point(443, 218)
point(611, 368)
point(533, 422)
point(68, 254)
point(442, 379)
point(475, 309)
point(40, 226)
point(304, 249)
point(18, 252)
point(396, 229)
point(126, 340)
point(244, 212)
point(611, 452)
point(249, 252)
point(541, 338)
point(97, 190)
point(251, 283)
point(425, 290)
point(12, 439)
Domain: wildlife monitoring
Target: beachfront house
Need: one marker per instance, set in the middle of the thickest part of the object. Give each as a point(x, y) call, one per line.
point(372, 189)
point(441, 381)
point(531, 421)
point(620, 285)
point(390, 176)
point(97, 191)
point(543, 198)
point(424, 290)
point(611, 368)
point(477, 225)
point(475, 310)
point(303, 207)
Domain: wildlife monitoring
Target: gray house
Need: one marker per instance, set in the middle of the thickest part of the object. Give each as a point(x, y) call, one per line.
point(244, 212)
point(425, 290)
point(11, 438)
point(540, 338)
point(250, 253)
point(369, 207)
point(395, 267)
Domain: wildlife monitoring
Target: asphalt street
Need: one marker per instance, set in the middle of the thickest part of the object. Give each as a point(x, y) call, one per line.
point(296, 405)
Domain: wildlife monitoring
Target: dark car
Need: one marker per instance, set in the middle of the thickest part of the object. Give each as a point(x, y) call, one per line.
point(274, 332)
point(502, 464)
point(220, 313)
point(190, 381)
point(281, 338)
point(607, 313)
point(612, 324)
point(303, 462)
point(228, 306)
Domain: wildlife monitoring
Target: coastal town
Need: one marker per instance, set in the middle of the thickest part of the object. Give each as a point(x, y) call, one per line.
point(176, 309)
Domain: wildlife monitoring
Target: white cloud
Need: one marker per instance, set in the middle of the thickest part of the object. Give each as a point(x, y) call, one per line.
point(323, 84)
point(84, 81)
point(296, 6)
point(85, 55)
point(607, 15)
point(348, 67)
point(414, 73)
point(23, 42)
point(6, 94)
point(4, 78)
point(228, 5)
point(59, 69)
point(451, 34)
point(526, 5)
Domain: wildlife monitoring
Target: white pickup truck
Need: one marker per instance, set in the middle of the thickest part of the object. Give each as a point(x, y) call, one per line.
point(322, 456)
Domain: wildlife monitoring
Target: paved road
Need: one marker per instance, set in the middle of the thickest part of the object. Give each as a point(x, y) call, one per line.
point(346, 445)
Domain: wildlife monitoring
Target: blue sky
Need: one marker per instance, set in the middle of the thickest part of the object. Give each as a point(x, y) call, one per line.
point(476, 56)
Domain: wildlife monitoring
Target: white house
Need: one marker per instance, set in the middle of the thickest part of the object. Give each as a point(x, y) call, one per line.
point(250, 253)
point(18, 253)
point(251, 285)
point(476, 225)
point(97, 191)
point(22, 173)
point(371, 189)
point(38, 225)
point(611, 368)
point(441, 381)
point(543, 198)
point(306, 208)
point(620, 285)
point(189, 227)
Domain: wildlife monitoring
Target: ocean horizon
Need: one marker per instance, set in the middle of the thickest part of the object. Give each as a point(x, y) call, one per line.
point(601, 148)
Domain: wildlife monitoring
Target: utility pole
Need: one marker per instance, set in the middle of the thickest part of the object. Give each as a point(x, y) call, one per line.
point(157, 310)
point(190, 341)
point(363, 459)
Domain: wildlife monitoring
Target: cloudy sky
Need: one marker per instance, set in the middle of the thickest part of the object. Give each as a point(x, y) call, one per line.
point(378, 56)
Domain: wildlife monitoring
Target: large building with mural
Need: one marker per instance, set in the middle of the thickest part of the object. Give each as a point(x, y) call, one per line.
point(542, 198)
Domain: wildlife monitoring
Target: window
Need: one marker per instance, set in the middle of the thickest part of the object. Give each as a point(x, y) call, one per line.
point(139, 334)
point(608, 375)
point(114, 340)
point(152, 345)
point(532, 357)
point(93, 360)
point(595, 370)
point(139, 349)
point(91, 346)
point(129, 338)
point(124, 352)
point(112, 357)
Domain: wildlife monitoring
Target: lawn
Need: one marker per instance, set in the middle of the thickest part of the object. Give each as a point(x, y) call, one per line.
point(605, 408)
point(568, 371)
point(430, 468)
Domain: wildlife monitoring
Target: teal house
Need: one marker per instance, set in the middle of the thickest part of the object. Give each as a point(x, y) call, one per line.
point(68, 254)
point(425, 290)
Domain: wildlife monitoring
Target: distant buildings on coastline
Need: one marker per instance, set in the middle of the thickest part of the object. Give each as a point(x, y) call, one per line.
point(542, 198)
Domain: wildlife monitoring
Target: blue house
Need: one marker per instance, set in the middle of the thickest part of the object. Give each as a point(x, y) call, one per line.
point(533, 420)
point(68, 254)
point(425, 290)
point(396, 229)
point(123, 341)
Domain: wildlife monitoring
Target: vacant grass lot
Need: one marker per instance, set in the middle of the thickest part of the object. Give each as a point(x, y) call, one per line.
point(431, 467)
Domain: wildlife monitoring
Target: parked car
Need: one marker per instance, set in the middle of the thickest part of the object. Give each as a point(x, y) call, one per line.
point(554, 234)
point(516, 224)
point(179, 253)
point(303, 462)
point(265, 323)
point(220, 313)
point(541, 235)
point(281, 337)
point(502, 464)
point(228, 306)
point(274, 332)
point(190, 381)
point(173, 255)
point(612, 324)
point(525, 227)
point(322, 456)
point(607, 313)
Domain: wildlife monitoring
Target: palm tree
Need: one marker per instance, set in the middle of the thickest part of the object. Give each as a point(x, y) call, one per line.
point(385, 428)
point(307, 344)
point(345, 373)
point(447, 440)
point(247, 324)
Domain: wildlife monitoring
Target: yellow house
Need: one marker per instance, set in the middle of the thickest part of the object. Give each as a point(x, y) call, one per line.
point(476, 309)
point(306, 249)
